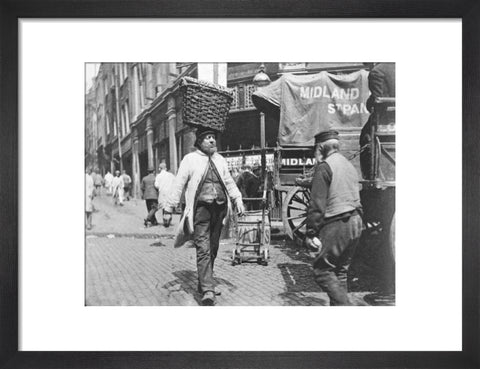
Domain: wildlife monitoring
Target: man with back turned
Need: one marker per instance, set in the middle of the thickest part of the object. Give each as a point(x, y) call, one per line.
point(150, 195)
point(333, 217)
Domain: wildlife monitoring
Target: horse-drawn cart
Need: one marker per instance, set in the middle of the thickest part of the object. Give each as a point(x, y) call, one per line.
point(291, 163)
point(294, 159)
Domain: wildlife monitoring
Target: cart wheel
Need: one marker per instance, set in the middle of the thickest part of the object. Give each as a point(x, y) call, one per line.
point(265, 257)
point(294, 212)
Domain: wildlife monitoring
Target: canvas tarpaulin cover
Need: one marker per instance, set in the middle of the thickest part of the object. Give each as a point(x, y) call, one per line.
point(314, 103)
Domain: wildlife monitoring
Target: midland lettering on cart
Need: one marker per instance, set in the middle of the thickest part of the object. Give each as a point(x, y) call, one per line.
point(337, 93)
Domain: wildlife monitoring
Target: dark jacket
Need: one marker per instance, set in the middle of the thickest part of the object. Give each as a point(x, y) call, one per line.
point(381, 82)
point(149, 192)
point(248, 184)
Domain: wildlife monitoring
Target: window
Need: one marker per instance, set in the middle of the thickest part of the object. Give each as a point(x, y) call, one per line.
point(127, 116)
point(138, 92)
point(111, 77)
point(249, 90)
point(234, 105)
point(125, 71)
point(142, 93)
point(125, 119)
point(141, 80)
point(122, 124)
point(99, 135)
point(114, 126)
point(105, 87)
point(107, 120)
point(135, 91)
point(97, 129)
point(119, 70)
point(122, 72)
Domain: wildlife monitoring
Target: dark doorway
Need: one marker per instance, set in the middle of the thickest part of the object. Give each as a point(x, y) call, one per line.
point(127, 165)
point(143, 161)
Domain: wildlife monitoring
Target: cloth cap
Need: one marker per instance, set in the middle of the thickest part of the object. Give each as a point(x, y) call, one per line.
point(201, 133)
point(151, 169)
point(325, 136)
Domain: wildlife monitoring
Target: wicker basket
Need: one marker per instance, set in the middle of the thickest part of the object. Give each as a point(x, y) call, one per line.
point(205, 104)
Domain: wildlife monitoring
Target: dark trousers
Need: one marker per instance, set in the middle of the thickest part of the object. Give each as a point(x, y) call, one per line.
point(152, 205)
point(366, 154)
point(126, 192)
point(339, 241)
point(206, 236)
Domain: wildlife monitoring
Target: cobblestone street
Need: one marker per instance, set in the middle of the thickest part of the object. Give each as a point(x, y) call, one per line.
point(127, 264)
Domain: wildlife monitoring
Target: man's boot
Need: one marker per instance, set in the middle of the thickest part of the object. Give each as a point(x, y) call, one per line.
point(217, 292)
point(208, 299)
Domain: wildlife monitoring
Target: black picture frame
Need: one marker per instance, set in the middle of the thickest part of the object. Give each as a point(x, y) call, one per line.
point(12, 10)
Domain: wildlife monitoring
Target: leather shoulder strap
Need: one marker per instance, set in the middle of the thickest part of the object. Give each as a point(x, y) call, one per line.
point(214, 168)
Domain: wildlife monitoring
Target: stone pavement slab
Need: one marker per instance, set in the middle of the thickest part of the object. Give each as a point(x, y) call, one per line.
point(137, 272)
point(128, 264)
point(125, 220)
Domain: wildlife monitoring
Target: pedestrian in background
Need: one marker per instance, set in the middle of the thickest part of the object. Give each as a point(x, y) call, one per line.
point(89, 193)
point(127, 182)
point(163, 183)
point(150, 195)
point(97, 181)
point(209, 186)
point(381, 82)
point(234, 172)
point(117, 188)
point(248, 184)
point(257, 170)
point(333, 218)
point(108, 182)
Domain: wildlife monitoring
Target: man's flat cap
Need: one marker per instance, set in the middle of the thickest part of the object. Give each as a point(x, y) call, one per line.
point(203, 131)
point(325, 136)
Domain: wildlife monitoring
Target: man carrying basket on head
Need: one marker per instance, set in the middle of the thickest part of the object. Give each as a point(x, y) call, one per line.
point(209, 188)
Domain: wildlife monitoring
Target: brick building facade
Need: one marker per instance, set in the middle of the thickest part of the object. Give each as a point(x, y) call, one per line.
point(134, 112)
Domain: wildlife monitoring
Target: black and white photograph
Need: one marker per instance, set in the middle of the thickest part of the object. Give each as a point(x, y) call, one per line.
point(250, 165)
point(240, 184)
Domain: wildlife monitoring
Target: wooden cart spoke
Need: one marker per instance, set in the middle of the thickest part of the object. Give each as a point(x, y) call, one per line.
point(295, 208)
point(300, 225)
point(300, 216)
point(298, 199)
point(294, 212)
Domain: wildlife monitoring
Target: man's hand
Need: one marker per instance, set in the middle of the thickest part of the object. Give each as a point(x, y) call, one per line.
point(312, 244)
point(240, 208)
